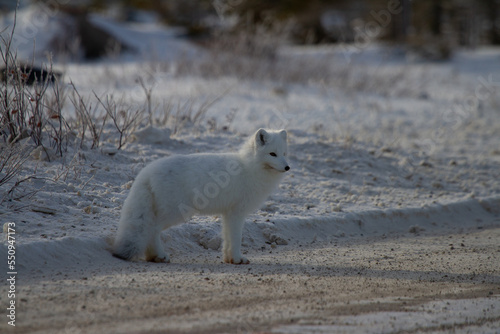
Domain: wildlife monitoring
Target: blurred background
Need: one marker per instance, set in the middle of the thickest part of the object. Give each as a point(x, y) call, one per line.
point(431, 29)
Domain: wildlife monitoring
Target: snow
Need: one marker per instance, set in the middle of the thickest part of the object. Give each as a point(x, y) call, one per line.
point(393, 147)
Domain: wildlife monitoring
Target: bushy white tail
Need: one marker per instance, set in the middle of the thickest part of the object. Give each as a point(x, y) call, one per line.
point(136, 227)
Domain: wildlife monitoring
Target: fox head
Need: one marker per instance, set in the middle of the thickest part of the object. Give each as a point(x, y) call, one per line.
point(270, 149)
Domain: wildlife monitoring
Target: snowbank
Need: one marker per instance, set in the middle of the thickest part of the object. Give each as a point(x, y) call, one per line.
point(188, 240)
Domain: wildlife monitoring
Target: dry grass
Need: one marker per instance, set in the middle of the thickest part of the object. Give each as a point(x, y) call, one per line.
point(260, 54)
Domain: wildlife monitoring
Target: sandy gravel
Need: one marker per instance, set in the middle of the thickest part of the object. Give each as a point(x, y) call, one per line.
point(444, 283)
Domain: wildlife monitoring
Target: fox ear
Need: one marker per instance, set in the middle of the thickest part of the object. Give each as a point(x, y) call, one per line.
point(261, 137)
point(283, 134)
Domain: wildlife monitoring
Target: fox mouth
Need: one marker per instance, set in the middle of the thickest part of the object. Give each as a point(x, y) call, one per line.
point(268, 166)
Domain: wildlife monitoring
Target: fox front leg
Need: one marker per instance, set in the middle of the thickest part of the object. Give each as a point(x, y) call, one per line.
point(232, 229)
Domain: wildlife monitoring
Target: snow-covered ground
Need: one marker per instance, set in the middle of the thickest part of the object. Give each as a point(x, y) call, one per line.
point(379, 146)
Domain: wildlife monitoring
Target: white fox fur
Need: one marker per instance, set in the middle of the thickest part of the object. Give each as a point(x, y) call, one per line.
point(171, 190)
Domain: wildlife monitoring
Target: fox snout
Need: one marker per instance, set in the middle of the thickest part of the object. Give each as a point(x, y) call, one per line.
point(286, 168)
point(277, 167)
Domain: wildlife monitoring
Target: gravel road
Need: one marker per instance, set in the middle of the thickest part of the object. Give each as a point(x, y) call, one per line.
point(412, 283)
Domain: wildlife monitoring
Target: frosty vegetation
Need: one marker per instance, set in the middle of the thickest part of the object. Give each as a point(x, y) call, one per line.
point(41, 116)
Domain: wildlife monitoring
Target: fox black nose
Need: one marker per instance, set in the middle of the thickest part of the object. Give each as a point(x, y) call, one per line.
point(287, 168)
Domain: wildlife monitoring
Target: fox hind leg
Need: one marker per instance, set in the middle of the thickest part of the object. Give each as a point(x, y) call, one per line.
point(155, 252)
point(130, 241)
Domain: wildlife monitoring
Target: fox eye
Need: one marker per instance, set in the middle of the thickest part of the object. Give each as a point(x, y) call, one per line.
point(273, 154)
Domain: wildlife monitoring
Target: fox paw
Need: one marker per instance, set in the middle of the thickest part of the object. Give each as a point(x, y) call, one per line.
point(242, 260)
point(158, 259)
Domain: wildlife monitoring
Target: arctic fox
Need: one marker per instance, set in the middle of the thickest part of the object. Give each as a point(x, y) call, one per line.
point(171, 190)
